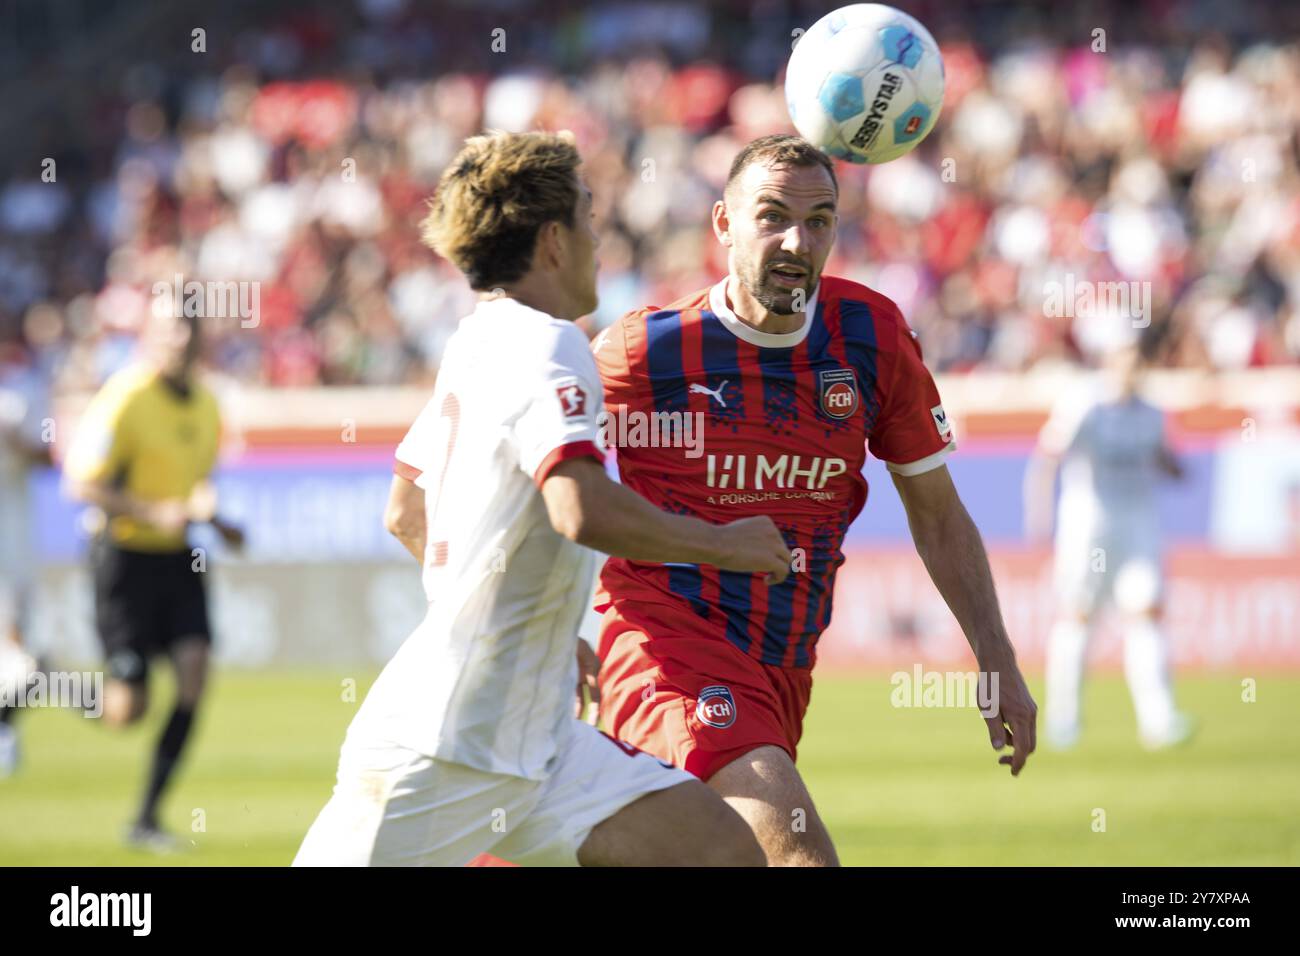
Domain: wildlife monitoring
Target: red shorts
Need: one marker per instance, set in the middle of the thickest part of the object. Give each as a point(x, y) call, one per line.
point(698, 702)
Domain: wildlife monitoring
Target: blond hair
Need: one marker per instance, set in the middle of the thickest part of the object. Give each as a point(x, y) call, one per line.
point(494, 197)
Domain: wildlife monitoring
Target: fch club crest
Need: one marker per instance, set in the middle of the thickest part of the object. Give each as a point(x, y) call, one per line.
point(716, 707)
point(838, 390)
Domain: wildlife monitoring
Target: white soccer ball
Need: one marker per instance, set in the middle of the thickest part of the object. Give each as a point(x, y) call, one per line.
point(865, 83)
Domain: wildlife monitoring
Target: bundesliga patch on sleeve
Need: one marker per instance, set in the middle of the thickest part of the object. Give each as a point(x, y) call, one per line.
point(573, 400)
point(941, 423)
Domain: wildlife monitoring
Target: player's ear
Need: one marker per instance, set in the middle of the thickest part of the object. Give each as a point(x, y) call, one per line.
point(722, 222)
point(549, 251)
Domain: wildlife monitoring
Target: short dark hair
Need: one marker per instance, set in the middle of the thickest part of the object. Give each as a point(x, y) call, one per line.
point(495, 196)
point(780, 149)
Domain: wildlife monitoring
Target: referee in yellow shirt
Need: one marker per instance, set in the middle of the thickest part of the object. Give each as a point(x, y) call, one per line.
point(141, 457)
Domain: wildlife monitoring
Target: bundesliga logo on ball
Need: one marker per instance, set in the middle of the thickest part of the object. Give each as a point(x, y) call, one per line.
point(865, 83)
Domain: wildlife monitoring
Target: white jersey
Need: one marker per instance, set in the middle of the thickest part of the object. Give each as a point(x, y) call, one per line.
point(24, 409)
point(1110, 449)
point(487, 679)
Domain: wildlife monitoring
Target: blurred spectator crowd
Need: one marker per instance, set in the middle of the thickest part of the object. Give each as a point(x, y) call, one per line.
point(298, 151)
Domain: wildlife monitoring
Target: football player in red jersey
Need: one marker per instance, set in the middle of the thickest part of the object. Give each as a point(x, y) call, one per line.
point(792, 376)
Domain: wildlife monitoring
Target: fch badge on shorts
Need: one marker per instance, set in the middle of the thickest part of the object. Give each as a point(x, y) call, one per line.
point(716, 707)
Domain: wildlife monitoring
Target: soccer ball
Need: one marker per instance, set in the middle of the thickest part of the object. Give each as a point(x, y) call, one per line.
point(865, 83)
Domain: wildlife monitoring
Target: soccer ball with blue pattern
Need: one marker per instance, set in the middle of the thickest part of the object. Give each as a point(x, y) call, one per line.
point(865, 83)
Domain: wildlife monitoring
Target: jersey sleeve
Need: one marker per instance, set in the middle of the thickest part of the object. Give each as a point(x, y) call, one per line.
point(1065, 430)
point(562, 411)
point(414, 455)
point(618, 378)
point(101, 447)
point(912, 433)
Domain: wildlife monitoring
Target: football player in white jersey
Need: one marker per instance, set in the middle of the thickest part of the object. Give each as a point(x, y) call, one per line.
point(24, 414)
point(467, 742)
point(1109, 444)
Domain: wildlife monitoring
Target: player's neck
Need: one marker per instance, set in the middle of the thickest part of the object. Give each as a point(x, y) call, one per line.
point(176, 380)
point(537, 296)
point(749, 310)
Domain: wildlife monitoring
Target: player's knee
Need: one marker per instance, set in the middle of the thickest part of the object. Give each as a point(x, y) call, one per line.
point(795, 838)
point(191, 672)
point(125, 705)
point(731, 842)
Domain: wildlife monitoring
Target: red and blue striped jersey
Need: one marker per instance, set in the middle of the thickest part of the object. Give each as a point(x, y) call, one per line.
point(713, 418)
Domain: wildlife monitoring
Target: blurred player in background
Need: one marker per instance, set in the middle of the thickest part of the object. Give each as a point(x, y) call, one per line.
point(1110, 447)
point(794, 373)
point(467, 741)
point(142, 456)
point(24, 445)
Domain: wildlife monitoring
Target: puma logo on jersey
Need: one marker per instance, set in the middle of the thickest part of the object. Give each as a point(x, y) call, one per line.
point(573, 398)
point(601, 341)
point(698, 389)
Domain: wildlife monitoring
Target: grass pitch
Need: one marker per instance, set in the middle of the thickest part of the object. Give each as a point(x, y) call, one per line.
point(895, 785)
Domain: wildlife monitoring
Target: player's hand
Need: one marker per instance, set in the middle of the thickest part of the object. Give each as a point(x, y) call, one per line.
point(1015, 723)
point(588, 672)
point(171, 515)
point(231, 534)
point(203, 502)
point(754, 544)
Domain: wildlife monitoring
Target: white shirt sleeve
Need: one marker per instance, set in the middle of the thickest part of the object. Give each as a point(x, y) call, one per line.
point(1064, 427)
point(415, 456)
point(561, 417)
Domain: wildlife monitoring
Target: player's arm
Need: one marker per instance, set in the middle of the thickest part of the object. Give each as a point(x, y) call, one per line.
point(404, 515)
point(203, 497)
point(953, 552)
point(1064, 431)
point(1039, 493)
point(170, 514)
point(100, 453)
point(914, 436)
point(586, 506)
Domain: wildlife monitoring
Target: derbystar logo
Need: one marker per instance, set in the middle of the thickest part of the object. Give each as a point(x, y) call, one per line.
point(743, 472)
point(870, 128)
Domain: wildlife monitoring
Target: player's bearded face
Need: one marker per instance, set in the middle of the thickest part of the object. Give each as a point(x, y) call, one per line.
point(782, 240)
point(765, 281)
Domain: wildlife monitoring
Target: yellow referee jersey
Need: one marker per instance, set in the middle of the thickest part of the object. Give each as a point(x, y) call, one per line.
point(139, 435)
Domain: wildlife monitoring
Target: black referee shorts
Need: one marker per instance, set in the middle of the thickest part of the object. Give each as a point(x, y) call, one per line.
point(145, 602)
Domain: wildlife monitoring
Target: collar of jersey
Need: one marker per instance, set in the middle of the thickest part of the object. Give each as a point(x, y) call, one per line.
point(506, 303)
point(766, 340)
